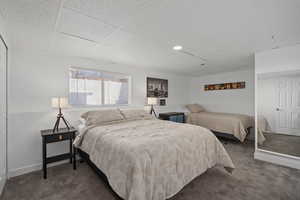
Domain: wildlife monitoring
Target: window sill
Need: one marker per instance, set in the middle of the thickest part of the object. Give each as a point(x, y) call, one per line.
point(89, 107)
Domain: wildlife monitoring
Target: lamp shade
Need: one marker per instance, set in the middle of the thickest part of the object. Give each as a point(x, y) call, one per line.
point(59, 102)
point(152, 101)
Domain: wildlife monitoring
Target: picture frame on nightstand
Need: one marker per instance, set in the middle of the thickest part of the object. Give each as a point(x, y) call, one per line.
point(162, 102)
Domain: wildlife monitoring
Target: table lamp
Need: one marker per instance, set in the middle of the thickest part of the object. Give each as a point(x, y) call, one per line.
point(60, 102)
point(152, 101)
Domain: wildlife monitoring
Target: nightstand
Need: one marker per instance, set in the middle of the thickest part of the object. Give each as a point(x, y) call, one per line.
point(173, 116)
point(49, 137)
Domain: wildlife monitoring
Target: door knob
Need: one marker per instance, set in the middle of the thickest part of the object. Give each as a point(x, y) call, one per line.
point(277, 109)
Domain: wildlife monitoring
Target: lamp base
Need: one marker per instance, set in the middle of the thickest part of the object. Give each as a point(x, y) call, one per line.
point(153, 111)
point(59, 117)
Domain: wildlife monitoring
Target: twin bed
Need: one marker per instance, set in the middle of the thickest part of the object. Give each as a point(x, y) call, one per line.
point(144, 158)
point(229, 125)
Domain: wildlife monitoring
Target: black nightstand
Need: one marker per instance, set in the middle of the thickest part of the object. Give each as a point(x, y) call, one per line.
point(49, 137)
point(173, 116)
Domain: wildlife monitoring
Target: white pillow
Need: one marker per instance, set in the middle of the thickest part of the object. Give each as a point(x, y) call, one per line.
point(195, 108)
point(135, 114)
point(102, 116)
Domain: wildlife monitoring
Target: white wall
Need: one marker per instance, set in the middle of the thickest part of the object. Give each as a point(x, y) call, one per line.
point(35, 78)
point(230, 101)
point(278, 60)
point(4, 35)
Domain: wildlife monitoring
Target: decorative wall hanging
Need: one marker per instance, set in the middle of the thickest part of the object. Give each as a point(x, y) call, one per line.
point(157, 87)
point(225, 86)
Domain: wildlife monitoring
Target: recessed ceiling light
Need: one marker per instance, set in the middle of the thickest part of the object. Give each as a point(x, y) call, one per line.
point(177, 48)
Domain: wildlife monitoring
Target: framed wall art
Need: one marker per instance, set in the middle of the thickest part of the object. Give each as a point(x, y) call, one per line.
point(225, 86)
point(157, 87)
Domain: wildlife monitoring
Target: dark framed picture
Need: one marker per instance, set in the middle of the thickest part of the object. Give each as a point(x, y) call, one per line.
point(157, 87)
point(162, 102)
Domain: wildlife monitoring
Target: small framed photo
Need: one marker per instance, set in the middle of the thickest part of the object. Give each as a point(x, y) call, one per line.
point(162, 102)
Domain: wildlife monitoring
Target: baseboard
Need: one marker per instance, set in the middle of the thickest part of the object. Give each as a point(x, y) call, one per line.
point(279, 159)
point(2, 184)
point(31, 168)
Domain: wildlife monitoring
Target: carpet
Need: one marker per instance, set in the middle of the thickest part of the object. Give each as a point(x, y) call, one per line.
point(251, 180)
point(280, 143)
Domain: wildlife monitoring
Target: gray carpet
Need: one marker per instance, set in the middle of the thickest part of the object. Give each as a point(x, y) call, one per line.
point(286, 144)
point(252, 180)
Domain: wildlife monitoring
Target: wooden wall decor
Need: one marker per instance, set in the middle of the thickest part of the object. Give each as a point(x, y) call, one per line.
point(225, 86)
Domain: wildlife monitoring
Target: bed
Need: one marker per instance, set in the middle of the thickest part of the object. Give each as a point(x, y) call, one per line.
point(144, 158)
point(227, 125)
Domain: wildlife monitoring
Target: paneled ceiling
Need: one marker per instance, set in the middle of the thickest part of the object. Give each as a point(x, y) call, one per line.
point(223, 35)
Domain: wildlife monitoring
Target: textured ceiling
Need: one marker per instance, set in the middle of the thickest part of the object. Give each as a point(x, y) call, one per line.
point(222, 34)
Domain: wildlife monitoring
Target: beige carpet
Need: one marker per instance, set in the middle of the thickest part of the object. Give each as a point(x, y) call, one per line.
point(252, 180)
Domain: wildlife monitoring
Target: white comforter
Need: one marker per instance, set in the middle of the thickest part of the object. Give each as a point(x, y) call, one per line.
point(152, 159)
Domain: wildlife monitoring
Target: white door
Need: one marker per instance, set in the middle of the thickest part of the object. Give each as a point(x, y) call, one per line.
point(3, 61)
point(288, 109)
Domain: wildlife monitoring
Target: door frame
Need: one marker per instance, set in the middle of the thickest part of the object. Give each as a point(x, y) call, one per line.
point(6, 109)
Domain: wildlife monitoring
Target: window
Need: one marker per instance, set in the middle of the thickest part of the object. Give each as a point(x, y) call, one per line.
point(94, 88)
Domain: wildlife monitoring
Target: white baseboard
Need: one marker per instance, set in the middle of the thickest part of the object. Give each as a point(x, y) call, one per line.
point(2, 184)
point(31, 168)
point(277, 158)
point(24, 170)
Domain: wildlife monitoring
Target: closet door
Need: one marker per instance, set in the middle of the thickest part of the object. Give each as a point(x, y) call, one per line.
point(3, 107)
point(288, 108)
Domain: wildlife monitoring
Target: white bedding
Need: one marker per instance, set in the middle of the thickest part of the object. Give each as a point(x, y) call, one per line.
point(151, 159)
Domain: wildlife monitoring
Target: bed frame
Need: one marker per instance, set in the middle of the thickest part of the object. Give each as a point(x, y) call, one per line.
point(230, 137)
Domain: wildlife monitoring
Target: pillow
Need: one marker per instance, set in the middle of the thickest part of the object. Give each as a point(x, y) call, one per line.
point(135, 114)
point(102, 116)
point(82, 121)
point(195, 108)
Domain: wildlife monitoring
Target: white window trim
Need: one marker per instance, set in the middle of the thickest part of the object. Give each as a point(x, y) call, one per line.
point(102, 91)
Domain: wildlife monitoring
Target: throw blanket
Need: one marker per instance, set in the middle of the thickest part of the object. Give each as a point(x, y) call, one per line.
point(235, 124)
point(152, 159)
